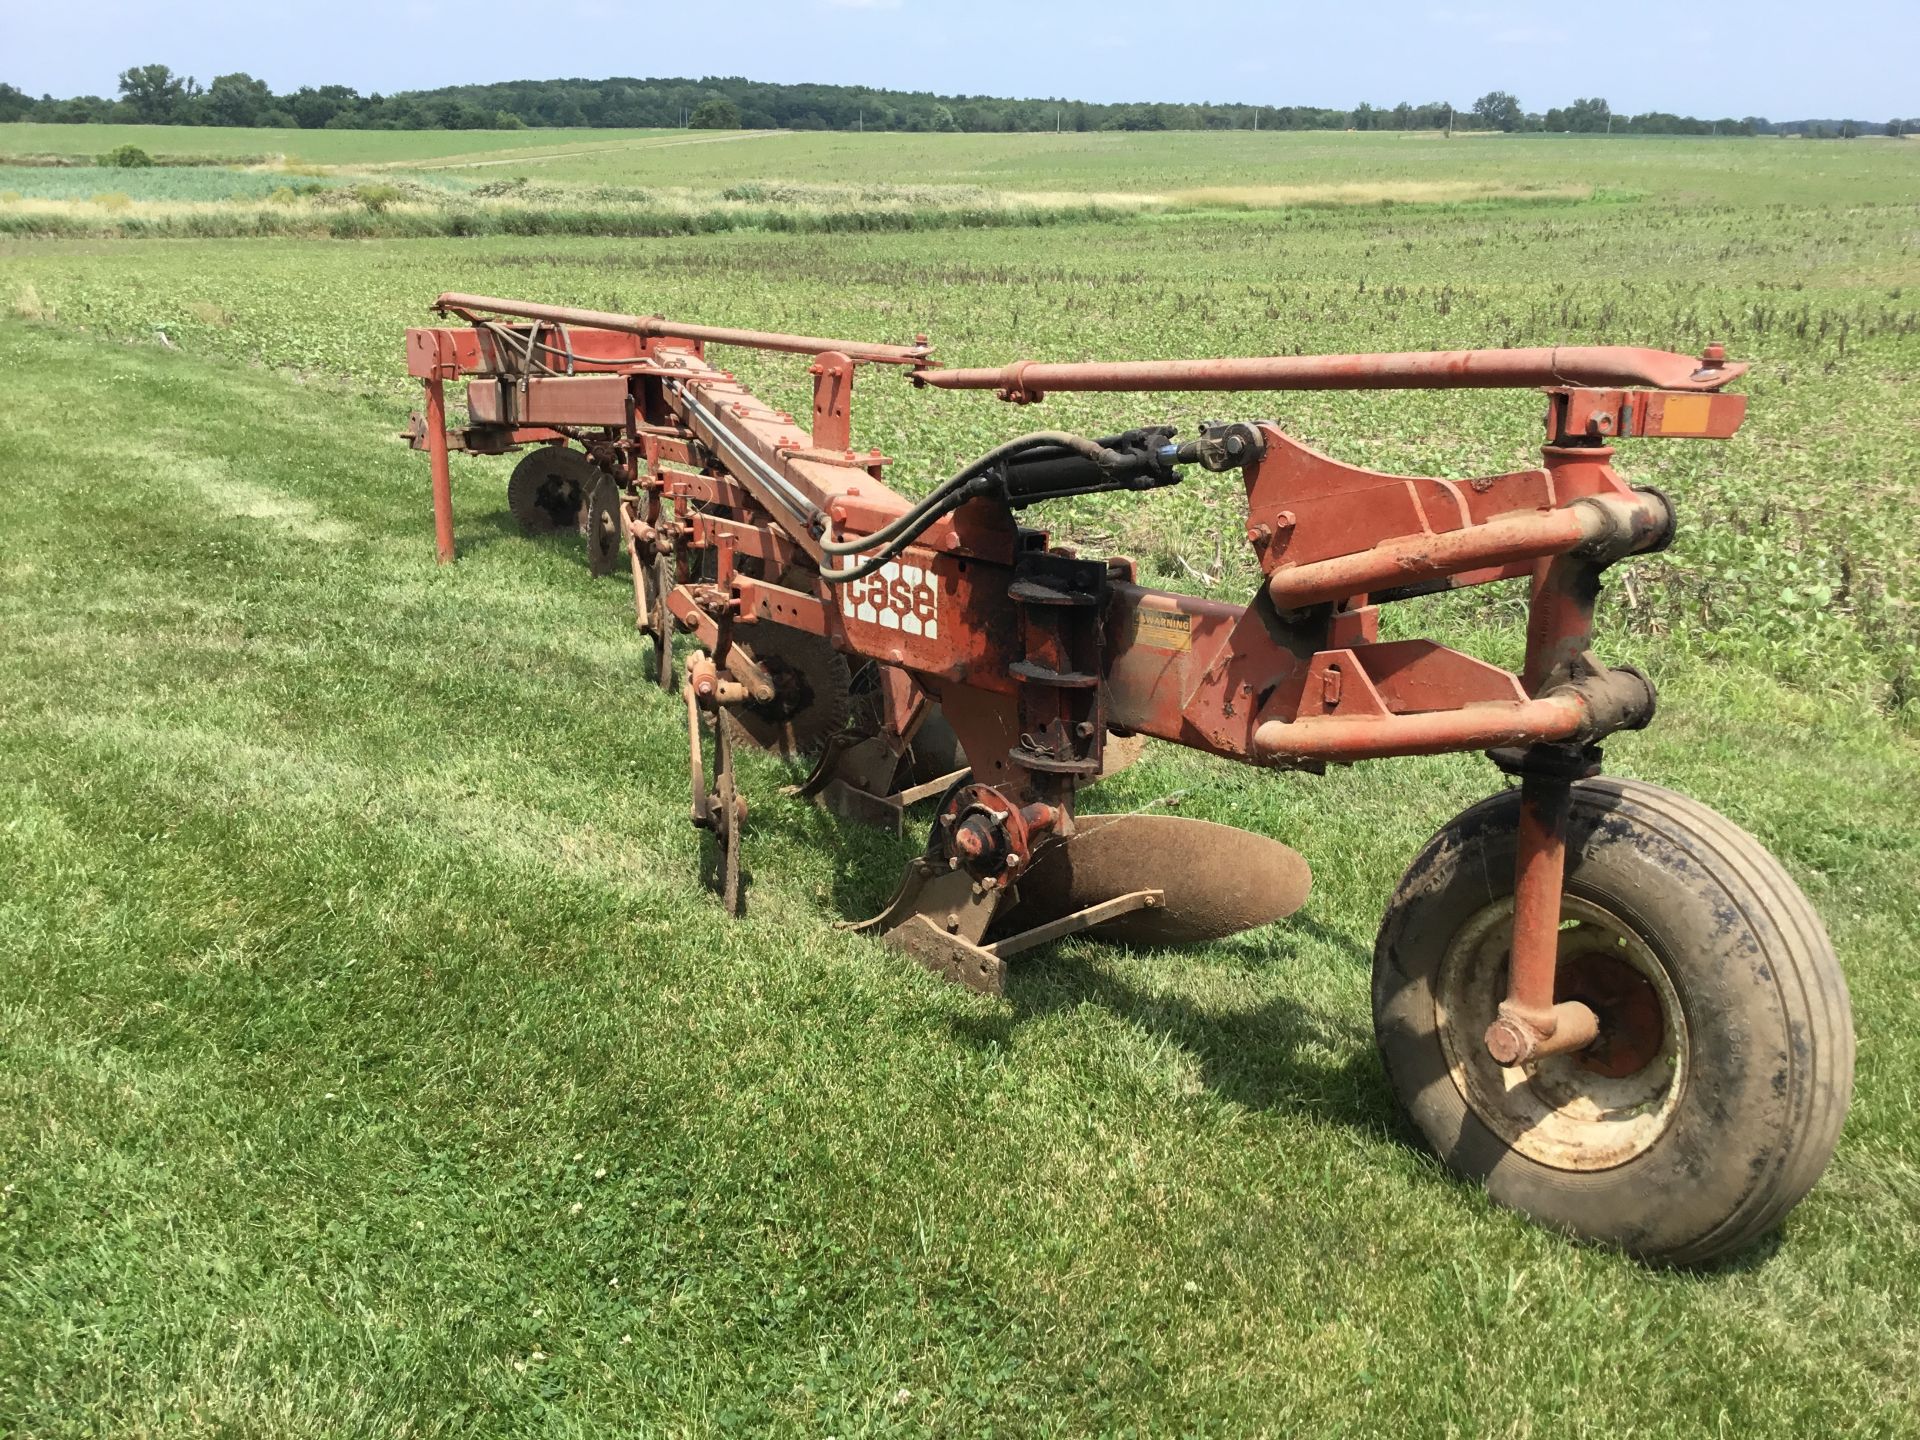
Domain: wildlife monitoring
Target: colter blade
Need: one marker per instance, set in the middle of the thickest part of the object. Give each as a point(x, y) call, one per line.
point(812, 684)
point(1217, 880)
point(1121, 752)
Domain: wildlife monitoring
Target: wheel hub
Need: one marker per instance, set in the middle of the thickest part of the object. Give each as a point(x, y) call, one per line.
point(1591, 1109)
point(1626, 1005)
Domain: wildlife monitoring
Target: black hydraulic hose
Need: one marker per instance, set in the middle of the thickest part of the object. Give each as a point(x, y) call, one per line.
point(918, 517)
point(895, 546)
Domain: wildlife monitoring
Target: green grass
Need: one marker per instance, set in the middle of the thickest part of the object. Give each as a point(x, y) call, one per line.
point(363, 1021)
point(195, 183)
point(317, 147)
point(1172, 164)
point(1797, 544)
point(1752, 171)
point(352, 932)
point(665, 183)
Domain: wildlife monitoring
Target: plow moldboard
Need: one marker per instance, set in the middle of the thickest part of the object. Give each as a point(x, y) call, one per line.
point(1218, 880)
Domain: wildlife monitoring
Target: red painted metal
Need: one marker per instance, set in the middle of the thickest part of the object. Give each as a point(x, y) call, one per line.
point(1034, 654)
point(832, 402)
point(655, 327)
point(1566, 365)
point(1530, 1024)
point(1407, 560)
point(442, 475)
point(1487, 726)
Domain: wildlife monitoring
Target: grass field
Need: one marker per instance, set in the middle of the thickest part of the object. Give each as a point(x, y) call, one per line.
point(317, 147)
point(1764, 170)
point(657, 183)
point(375, 1064)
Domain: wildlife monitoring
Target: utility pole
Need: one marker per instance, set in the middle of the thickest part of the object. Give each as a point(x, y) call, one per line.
point(1056, 120)
point(1449, 122)
point(1256, 119)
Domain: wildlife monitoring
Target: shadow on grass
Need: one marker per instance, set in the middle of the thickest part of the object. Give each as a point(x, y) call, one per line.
point(474, 533)
point(1280, 1054)
point(1272, 1057)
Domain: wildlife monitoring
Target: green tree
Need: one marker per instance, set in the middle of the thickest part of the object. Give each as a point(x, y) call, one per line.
point(237, 99)
point(155, 93)
point(314, 109)
point(1585, 116)
point(715, 114)
point(1497, 110)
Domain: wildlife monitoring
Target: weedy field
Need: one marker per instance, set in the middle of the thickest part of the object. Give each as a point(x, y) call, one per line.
point(375, 1063)
point(640, 183)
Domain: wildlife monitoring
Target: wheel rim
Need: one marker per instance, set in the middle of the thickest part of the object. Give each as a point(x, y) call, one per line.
point(1591, 1110)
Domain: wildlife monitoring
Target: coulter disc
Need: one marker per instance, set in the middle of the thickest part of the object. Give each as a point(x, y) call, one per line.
point(812, 692)
point(606, 542)
point(656, 575)
point(1218, 880)
point(547, 491)
point(1121, 752)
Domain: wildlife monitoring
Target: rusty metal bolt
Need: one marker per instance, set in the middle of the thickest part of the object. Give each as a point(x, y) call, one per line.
point(1509, 1043)
point(1259, 534)
point(973, 837)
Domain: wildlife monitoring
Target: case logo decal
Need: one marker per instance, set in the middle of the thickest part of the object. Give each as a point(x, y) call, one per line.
point(895, 597)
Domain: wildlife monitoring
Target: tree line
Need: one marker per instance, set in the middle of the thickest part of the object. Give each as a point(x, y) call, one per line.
point(155, 95)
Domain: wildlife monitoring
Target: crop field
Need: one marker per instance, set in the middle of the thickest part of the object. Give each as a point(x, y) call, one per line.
point(317, 147)
point(417, 184)
point(375, 1062)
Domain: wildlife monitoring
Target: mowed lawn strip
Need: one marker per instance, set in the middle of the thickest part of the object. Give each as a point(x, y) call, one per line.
point(373, 1059)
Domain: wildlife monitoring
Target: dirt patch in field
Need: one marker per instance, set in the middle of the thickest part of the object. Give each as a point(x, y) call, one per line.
point(1377, 192)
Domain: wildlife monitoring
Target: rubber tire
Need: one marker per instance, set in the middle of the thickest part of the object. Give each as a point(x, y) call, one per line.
point(1765, 1002)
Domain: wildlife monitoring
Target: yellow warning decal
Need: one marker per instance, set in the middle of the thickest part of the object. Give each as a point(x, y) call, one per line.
point(1163, 629)
point(1685, 415)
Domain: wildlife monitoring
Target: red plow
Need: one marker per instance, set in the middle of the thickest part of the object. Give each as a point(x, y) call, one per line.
point(1606, 1002)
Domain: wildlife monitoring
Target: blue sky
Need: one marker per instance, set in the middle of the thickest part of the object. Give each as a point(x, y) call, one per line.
point(1764, 57)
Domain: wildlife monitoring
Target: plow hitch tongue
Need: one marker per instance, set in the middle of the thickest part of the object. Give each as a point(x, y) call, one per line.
point(1578, 977)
